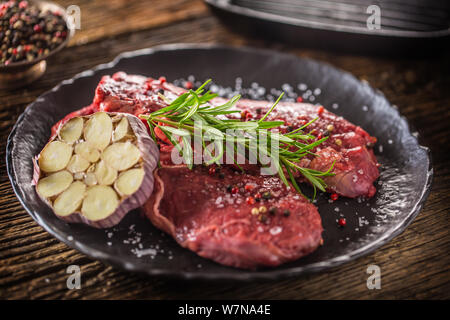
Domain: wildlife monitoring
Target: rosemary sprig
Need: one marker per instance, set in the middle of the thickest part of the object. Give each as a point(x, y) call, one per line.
point(177, 122)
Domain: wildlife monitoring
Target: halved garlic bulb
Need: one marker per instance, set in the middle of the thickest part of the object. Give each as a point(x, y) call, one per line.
point(97, 168)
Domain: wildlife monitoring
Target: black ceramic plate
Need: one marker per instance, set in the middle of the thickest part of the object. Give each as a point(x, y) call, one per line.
point(136, 245)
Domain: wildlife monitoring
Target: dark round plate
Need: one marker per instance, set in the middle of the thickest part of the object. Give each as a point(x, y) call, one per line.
point(136, 245)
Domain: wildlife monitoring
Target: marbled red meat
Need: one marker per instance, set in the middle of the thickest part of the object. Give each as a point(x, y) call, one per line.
point(218, 224)
point(356, 167)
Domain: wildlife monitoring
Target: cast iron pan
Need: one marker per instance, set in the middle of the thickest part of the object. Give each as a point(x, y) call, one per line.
point(329, 25)
point(406, 171)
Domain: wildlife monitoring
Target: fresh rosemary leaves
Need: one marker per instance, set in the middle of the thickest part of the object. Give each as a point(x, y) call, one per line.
point(190, 116)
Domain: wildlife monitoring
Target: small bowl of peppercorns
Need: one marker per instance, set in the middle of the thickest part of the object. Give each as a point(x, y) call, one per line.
point(30, 32)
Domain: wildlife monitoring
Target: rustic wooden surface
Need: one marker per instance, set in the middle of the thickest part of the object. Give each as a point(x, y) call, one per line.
point(414, 265)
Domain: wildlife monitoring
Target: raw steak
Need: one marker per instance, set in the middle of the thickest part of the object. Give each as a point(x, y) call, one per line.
point(356, 167)
point(211, 214)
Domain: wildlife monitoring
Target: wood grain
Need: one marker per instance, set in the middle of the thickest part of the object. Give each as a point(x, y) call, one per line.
point(415, 265)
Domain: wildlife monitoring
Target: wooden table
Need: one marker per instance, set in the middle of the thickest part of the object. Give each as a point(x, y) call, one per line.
point(414, 265)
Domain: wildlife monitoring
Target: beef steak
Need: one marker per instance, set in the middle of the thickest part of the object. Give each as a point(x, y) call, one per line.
point(350, 146)
point(211, 214)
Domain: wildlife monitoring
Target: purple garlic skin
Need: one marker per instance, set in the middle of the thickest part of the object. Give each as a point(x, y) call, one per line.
point(97, 168)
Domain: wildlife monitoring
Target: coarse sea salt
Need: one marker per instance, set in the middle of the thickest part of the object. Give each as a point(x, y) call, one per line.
point(362, 221)
point(302, 86)
point(144, 252)
point(275, 230)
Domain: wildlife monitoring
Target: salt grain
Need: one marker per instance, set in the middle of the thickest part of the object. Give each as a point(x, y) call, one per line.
point(287, 87)
point(302, 87)
point(144, 252)
point(275, 230)
point(362, 221)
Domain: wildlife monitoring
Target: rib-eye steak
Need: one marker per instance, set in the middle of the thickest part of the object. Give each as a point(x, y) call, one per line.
point(246, 219)
point(212, 215)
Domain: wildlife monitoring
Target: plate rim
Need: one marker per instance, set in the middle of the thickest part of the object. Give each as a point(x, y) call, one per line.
point(242, 275)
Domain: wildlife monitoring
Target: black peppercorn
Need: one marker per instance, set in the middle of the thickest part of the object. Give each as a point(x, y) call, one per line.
point(286, 213)
point(267, 195)
point(262, 218)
